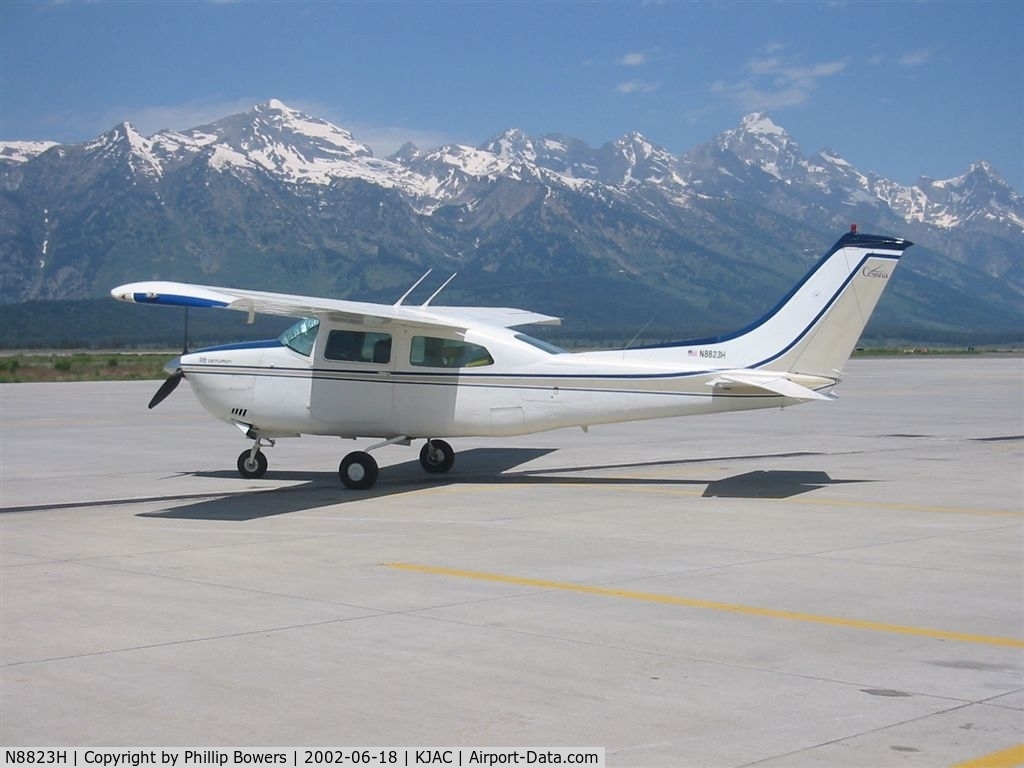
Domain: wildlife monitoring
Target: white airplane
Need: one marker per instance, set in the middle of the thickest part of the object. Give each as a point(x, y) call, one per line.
point(399, 372)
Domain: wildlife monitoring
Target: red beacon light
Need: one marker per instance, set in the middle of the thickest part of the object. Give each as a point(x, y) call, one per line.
point(853, 229)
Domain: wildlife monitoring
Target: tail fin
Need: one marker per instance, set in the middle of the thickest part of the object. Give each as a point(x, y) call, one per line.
point(813, 330)
point(827, 312)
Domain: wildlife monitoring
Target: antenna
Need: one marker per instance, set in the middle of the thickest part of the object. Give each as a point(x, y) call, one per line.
point(637, 334)
point(413, 288)
point(443, 286)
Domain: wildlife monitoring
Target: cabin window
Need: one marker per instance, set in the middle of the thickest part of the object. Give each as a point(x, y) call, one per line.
point(447, 353)
point(358, 347)
point(300, 337)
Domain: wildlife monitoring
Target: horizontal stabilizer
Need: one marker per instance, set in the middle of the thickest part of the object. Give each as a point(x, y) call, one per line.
point(776, 384)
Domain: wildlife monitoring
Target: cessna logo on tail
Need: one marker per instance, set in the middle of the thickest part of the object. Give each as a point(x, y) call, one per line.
point(875, 272)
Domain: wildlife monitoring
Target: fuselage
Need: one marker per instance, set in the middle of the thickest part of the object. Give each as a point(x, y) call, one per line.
point(366, 381)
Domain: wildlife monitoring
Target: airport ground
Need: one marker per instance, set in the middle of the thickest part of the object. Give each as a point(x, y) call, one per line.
point(837, 584)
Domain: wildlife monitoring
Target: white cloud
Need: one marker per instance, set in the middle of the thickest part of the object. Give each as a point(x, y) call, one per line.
point(634, 59)
point(915, 58)
point(636, 86)
point(775, 81)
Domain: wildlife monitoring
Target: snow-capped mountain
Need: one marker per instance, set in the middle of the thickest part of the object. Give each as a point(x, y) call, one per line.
point(295, 148)
point(278, 198)
point(979, 194)
point(273, 139)
point(765, 149)
point(760, 143)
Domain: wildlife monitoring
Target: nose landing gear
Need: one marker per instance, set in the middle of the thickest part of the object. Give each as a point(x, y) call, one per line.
point(252, 463)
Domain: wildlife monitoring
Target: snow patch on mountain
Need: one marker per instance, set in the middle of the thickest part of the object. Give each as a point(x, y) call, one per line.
point(23, 151)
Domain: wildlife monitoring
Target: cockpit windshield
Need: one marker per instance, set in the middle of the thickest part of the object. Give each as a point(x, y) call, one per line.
point(301, 336)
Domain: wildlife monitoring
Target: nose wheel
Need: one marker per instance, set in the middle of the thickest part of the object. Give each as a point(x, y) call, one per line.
point(252, 463)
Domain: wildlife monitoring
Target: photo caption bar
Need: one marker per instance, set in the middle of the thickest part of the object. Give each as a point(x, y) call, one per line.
point(488, 757)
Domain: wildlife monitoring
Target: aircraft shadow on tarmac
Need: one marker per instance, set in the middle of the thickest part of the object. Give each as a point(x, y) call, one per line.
point(490, 466)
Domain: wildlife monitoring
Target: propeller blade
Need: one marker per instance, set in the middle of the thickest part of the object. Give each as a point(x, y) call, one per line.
point(167, 387)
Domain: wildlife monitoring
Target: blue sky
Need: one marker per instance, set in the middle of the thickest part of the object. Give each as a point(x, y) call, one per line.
point(903, 89)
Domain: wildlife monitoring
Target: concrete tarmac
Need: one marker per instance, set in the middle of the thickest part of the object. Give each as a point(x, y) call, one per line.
point(836, 584)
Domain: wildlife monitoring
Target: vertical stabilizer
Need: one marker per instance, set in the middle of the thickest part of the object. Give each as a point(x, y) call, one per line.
point(828, 337)
point(814, 328)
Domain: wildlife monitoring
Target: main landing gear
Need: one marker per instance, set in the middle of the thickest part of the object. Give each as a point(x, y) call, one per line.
point(437, 456)
point(358, 470)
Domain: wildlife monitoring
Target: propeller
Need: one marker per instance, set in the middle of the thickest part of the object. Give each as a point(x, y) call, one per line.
point(171, 382)
point(167, 387)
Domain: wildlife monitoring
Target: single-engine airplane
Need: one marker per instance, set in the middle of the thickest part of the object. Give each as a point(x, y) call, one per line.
point(400, 372)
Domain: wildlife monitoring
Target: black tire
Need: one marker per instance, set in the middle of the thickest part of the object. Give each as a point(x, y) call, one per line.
point(358, 471)
point(437, 456)
point(252, 466)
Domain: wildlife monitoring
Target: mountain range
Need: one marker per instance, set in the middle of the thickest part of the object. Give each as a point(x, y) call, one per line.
point(619, 240)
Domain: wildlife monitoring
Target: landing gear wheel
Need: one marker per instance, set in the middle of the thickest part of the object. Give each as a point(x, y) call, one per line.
point(437, 456)
point(252, 466)
point(358, 471)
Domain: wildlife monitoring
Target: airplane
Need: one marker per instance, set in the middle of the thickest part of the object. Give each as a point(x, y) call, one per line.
point(399, 372)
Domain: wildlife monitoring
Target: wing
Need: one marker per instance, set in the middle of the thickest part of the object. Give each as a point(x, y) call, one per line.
point(505, 317)
point(262, 302)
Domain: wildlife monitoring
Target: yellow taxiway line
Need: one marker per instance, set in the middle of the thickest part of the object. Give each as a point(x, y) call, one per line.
point(1004, 758)
point(688, 602)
